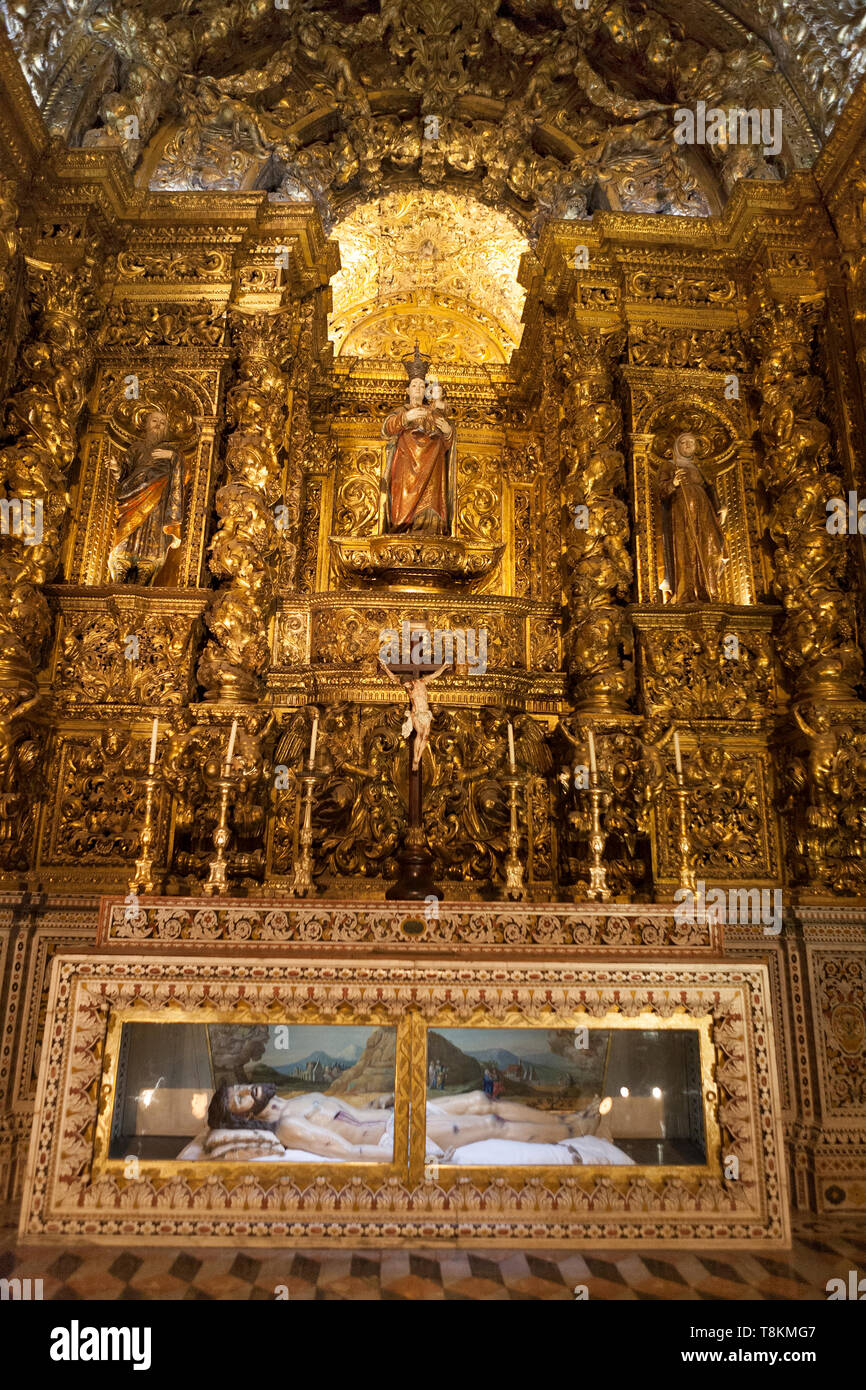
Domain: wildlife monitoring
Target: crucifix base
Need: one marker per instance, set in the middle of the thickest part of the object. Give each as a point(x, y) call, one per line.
point(415, 881)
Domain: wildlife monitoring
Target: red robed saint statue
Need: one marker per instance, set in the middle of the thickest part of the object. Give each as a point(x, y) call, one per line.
point(419, 470)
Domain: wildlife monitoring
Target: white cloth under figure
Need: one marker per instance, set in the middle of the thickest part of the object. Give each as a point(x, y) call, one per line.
point(387, 1140)
point(250, 1146)
point(499, 1153)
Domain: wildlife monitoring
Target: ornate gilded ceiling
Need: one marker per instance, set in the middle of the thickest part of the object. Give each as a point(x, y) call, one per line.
point(434, 266)
point(541, 106)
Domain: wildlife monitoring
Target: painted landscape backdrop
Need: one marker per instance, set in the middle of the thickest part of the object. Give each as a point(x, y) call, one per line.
point(305, 1057)
point(546, 1067)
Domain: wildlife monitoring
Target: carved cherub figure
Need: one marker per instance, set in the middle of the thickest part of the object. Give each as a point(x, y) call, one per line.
point(823, 741)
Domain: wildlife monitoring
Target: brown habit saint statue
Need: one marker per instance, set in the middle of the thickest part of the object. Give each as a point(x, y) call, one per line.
point(695, 552)
point(419, 455)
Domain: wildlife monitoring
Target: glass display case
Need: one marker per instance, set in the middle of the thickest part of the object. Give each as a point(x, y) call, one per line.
point(600, 1093)
point(293, 1093)
point(600, 1096)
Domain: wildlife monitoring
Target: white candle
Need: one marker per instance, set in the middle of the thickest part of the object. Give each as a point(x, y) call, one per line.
point(314, 738)
point(591, 739)
point(510, 746)
point(153, 735)
point(231, 748)
point(677, 754)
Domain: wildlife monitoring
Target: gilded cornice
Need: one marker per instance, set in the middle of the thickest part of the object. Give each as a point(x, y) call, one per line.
point(23, 139)
point(844, 155)
point(759, 215)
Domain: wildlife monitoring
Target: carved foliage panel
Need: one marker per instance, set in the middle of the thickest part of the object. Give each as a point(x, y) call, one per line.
point(308, 561)
point(361, 807)
point(96, 806)
point(125, 651)
point(358, 493)
point(350, 635)
point(838, 979)
point(730, 813)
point(710, 666)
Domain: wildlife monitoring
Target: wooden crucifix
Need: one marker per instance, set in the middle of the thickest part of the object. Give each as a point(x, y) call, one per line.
point(415, 880)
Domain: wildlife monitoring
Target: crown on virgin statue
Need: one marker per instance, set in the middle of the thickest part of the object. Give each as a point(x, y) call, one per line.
point(416, 366)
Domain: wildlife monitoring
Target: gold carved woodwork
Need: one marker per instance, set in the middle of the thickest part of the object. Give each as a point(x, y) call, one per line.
point(817, 641)
point(706, 663)
point(539, 437)
point(244, 548)
point(41, 416)
point(121, 650)
point(173, 265)
point(142, 326)
point(362, 806)
point(190, 765)
point(97, 806)
point(731, 823)
point(823, 785)
point(187, 396)
point(651, 345)
point(448, 279)
point(724, 455)
point(597, 565)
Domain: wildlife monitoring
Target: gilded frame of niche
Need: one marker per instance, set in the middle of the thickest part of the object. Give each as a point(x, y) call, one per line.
point(408, 1160)
point(65, 1197)
point(349, 492)
point(179, 388)
point(731, 473)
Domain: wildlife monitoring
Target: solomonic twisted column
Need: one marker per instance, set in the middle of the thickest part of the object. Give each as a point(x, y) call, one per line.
point(817, 639)
point(38, 449)
point(597, 565)
point(244, 549)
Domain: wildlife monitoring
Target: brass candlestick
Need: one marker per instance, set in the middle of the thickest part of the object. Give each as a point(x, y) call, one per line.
point(684, 844)
point(142, 879)
point(598, 889)
point(301, 885)
point(217, 881)
point(515, 888)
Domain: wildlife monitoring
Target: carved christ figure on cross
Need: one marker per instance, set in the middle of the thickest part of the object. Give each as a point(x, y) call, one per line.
point(420, 717)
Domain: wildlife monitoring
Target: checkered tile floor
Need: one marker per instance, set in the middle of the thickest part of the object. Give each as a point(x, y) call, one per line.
point(822, 1250)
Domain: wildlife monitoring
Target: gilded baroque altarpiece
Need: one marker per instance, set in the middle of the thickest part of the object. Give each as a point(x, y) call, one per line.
point(174, 292)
